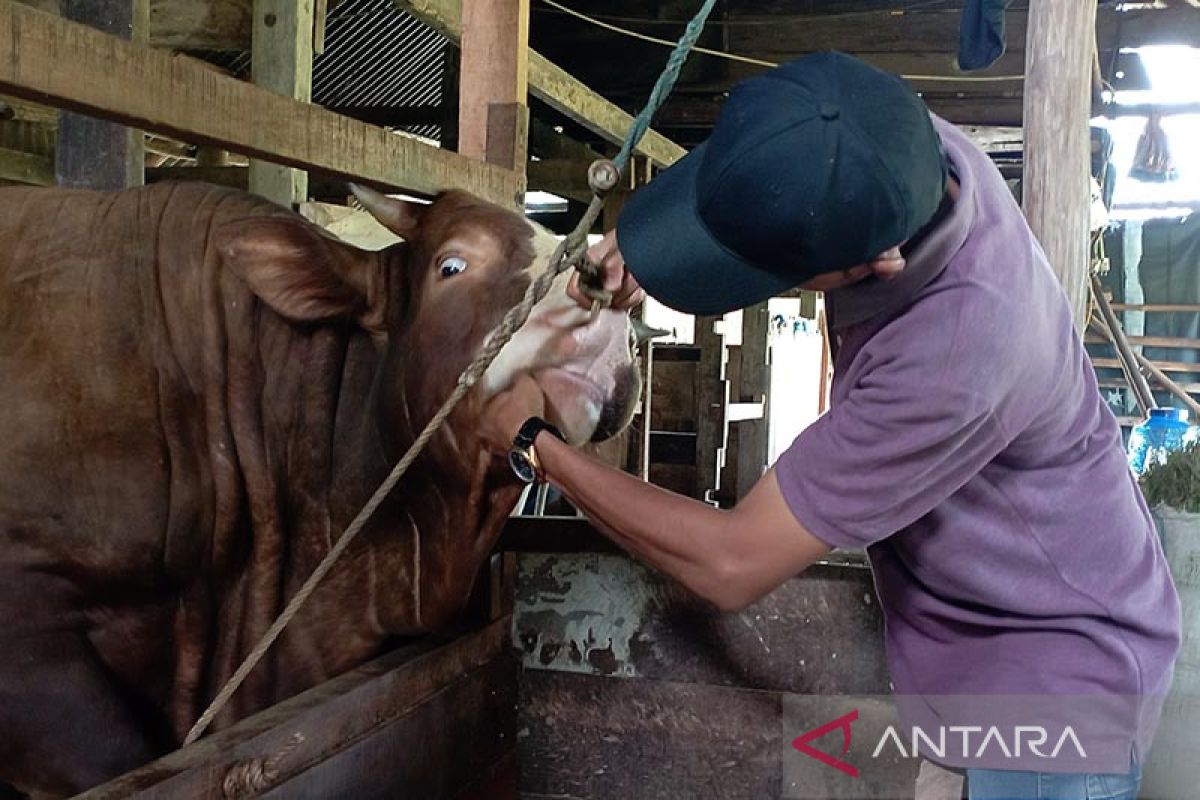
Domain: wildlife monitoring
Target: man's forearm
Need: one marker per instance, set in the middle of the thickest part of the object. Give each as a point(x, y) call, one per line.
point(728, 557)
point(673, 533)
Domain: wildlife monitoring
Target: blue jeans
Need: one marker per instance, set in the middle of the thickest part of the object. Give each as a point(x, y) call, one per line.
point(995, 784)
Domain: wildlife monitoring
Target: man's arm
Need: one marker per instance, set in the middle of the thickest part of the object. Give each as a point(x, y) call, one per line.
point(730, 558)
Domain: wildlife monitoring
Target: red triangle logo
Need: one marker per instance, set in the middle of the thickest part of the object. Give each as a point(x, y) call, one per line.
point(842, 722)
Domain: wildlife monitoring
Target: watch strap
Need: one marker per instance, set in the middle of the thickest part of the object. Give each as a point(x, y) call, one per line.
point(531, 428)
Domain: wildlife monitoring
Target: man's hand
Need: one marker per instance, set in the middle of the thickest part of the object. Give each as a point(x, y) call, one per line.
point(617, 279)
point(507, 411)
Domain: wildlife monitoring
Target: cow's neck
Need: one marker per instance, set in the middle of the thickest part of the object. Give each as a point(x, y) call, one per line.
point(414, 563)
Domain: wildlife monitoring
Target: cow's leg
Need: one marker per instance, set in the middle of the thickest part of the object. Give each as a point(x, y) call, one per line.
point(64, 724)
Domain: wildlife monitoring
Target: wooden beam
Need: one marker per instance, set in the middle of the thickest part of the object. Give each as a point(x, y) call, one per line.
point(226, 25)
point(941, 67)
point(13, 108)
point(1113, 110)
point(790, 35)
point(494, 66)
point(995, 137)
point(690, 111)
point(548, 143)
point(558, 89)
point(281, 60)
point(51, 60)
point(554, 86)
point(19, 167)
point(564, 176)
point(1057, 140)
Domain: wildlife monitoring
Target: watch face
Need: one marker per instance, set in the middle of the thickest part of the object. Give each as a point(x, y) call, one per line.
point(521, 465)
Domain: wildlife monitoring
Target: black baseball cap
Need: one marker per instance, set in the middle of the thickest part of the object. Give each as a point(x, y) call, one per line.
point(816, 166)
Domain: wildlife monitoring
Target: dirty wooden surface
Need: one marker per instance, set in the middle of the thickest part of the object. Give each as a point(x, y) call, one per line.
point(615, 739)
point(434, 719)
point(821, 632)
point(600, 738)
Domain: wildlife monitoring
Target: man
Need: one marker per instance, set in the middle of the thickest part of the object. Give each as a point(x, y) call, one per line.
point(967, 447)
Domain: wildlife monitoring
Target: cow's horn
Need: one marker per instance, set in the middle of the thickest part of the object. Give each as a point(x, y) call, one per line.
point(395, 215)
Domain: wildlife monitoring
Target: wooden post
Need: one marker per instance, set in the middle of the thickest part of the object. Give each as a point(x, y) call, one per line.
point(712, 402)
point(92, 153)
point(754, 387)
point(281, 60)
point(493, 126)
point(1058, 76)
point(495, 68)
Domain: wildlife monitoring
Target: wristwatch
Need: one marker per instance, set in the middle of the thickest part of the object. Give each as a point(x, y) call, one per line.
point(522, 456)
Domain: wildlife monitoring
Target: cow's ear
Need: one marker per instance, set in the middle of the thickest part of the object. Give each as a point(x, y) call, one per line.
point(300, 272)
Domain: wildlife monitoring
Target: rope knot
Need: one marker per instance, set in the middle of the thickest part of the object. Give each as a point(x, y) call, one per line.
point(256, 775)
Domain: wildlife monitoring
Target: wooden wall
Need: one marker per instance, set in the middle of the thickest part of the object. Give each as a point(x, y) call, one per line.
point(632, 687)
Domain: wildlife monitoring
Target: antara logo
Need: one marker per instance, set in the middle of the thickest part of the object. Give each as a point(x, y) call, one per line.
point(842, 722)
point(977, 742)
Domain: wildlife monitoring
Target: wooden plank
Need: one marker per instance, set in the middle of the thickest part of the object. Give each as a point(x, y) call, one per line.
point(28, 137)
point(317, 723)
point(281, 61)
point(789, 35)
point(1112, 110)
point(755, 387)
point(1057, 101)
point(51, 60)
point(226, 25)
point(13, 108)
point(18, 167)
point(1152, 341)
point(1165, 366)
point(593, 737)
point(93, 153)
point(568, 178)
point(1157, 307)
point(1121, 383)
point(494, 67)
point(570, 97)
point(989, 138)
point(607, 738)
point(993, 108)
point(433, 753)
point(792, 35)
point(555, 87)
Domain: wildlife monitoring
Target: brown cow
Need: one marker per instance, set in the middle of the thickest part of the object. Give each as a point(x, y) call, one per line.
point(199, 392)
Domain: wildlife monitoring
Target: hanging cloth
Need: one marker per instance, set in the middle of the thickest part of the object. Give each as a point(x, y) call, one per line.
point(981, 33)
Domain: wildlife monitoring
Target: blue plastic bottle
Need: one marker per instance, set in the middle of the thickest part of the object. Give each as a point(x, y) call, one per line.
point(1165, 430)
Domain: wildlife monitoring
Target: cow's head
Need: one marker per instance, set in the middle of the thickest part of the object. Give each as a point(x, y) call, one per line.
point(430, 303)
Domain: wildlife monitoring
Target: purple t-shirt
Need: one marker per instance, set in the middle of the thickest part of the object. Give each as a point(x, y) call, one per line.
point(969, 450)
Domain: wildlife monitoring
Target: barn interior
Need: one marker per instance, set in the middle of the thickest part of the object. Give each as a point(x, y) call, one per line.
point(576, 671)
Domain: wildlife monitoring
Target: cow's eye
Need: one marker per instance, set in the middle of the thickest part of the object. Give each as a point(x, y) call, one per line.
point(452, 265)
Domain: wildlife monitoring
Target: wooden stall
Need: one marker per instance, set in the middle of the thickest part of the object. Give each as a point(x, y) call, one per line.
point(436, 717)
